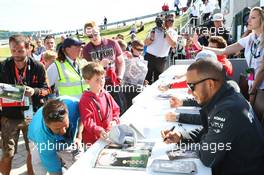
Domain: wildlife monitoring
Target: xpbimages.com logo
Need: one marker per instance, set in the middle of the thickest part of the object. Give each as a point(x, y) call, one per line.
point(50, 146)
point(211, 147)
point(126, 88)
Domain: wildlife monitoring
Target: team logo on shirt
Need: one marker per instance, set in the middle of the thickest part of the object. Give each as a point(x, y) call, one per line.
point(250, 115)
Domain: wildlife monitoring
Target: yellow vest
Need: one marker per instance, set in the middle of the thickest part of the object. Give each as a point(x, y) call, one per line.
point(70, 81)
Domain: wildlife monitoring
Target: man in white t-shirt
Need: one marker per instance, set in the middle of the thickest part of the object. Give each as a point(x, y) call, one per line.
point(207, 10)
point(159, 41)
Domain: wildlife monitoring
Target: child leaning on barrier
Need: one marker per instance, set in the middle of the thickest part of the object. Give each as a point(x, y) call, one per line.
point(98, 110)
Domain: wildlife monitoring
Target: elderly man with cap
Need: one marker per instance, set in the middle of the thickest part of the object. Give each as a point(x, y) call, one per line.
point(159, 41)
point(218, 28)
point(231, 136)
point(64, 74)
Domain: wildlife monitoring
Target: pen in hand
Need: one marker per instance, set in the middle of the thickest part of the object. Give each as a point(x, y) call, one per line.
point(169, 131)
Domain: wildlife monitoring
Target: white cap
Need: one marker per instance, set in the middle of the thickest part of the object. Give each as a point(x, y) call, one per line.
point(218, 17)
point(206, 54)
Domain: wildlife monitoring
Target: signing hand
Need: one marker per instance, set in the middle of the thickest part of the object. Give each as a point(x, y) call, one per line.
point(175, 102)
point(171, 136)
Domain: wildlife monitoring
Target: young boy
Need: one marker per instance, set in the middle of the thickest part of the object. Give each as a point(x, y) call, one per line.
point(98, 110)
point(219, 42)
point(49, 57)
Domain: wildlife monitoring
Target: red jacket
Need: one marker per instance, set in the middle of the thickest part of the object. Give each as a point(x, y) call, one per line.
point(226, 63)
point(90, 117)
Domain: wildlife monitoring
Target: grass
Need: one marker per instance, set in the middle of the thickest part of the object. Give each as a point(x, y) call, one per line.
point(4, 52)
point(124, 30)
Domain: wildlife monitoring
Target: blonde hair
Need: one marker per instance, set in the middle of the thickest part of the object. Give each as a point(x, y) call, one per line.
point(261, 14)
point(91, 69)
point(49, 55)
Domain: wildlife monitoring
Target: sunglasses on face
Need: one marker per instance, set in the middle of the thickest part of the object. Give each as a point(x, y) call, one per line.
point(92, 35)
point(169, 20)
point(191, 86)
point(139, 49)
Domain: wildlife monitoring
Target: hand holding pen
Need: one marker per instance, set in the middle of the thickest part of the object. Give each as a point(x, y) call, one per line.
point(170, 136)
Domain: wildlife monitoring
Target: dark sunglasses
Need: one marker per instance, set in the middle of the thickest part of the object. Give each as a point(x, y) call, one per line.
point(192, 85)
point(139, 49)
point(59, 114)
point(169, 20)
point(92, 35)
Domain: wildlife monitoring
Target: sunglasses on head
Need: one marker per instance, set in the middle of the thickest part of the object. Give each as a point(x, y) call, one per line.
point(191, 86)
point(59, 114)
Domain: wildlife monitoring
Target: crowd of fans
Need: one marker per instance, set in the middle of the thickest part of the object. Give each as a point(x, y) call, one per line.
point(106, 74)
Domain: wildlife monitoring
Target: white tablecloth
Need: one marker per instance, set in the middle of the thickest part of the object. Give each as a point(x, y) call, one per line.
point(147, 116)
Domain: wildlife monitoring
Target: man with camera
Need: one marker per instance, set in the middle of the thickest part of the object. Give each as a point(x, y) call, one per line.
point(158, 43)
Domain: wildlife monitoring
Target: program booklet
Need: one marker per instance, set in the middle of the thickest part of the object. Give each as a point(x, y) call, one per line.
point(12, 92)
point(174, 166)
point(179, 153)
point(12, 95)
point(131, 158)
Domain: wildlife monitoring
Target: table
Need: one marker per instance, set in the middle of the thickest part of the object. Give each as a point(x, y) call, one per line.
point(147, 115)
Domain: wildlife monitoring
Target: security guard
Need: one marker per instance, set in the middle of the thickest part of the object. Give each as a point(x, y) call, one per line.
point(64, 75)
point(231, 140)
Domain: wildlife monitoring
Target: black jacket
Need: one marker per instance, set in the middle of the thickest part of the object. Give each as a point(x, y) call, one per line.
point(35, 78)
point(194, 119)
point(231, 139)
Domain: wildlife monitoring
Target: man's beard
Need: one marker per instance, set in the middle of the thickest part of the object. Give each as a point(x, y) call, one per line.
point(19, 59)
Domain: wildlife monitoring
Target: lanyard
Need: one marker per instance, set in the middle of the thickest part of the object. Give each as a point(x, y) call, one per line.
point(20, 77)
point(254, 49)
point(99, 109)
point(76, 69)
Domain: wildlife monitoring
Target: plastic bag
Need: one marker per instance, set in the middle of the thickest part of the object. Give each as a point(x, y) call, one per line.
point(136, 71)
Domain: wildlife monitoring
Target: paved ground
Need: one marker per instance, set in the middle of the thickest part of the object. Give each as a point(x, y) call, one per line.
point(19, 163)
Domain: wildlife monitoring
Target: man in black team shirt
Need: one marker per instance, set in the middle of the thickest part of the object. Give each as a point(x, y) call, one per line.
point(231, 140)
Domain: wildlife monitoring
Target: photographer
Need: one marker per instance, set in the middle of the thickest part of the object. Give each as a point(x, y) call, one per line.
point(159, 41)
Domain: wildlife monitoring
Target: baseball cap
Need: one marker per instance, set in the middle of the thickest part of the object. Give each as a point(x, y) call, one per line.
point(68, 42)
point(206, 54)
point(218, 17)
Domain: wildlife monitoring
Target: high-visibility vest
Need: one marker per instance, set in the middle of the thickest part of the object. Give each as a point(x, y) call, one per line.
point(70, 81)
